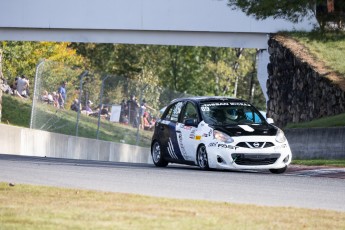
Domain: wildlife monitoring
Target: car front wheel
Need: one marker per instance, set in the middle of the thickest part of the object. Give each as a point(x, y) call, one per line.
point(278, 171)
point(156, 154)
point(202, 157)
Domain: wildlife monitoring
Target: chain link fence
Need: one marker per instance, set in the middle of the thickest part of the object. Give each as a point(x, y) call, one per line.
point(99, 106)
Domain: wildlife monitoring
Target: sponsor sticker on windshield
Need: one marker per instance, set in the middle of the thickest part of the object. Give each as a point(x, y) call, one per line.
point(240, 103)
point(205, 107)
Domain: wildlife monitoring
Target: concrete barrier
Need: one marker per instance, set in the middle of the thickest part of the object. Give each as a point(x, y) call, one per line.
point(29, 142)
point(327, 143)
point(313, 143)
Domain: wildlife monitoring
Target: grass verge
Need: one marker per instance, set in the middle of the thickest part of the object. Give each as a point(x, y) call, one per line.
point(40, 207)
point(332, 121)
point(321, 162)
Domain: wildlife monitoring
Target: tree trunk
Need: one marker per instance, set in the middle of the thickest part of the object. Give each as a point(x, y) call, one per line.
point(238, 55)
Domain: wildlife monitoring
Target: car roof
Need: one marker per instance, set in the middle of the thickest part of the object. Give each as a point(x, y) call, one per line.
point(208, 98)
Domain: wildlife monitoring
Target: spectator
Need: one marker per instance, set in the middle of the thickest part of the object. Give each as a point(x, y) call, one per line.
point(22, 86)
point(124, 112)
point(44, 96)
point(141, 113)
point(75, 105)
point(5, 87)
point(147, 125)
point(50, 98)
point(143, 107)
point(105, 112)
point(62, 92)
point(88, 109)
point(55, 100)
point(133, 107)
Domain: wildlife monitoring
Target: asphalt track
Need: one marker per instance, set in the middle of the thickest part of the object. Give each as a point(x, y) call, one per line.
point(315, 188)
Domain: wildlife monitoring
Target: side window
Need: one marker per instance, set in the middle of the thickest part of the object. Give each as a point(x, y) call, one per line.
point(190, 112)
point(254, 117)
point(249, 115)
point(173, 112)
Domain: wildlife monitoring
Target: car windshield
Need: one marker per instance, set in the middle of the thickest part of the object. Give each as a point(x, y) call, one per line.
point(230, 113)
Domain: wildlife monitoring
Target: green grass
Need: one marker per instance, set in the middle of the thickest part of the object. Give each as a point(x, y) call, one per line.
point(17, 112)
point(40, 207)
point(332, 121)
point(320, 162)
point(328, 47)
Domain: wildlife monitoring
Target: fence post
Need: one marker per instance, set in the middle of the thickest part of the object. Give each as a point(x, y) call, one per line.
point(100, 105)
point(35, 92)
point(80, 92)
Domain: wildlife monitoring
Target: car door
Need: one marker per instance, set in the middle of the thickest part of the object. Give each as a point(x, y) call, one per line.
point(167, 134)
point(186, 131)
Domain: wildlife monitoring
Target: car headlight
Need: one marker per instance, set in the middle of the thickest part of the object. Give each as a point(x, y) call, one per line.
point(223, 137)
point(280, 137)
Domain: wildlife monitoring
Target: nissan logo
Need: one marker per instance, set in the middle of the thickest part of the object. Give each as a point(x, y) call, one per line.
point(256, 145)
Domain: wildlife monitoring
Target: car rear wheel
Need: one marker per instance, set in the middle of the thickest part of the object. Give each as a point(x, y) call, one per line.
point(157, 155)
point(278, 171)
point(202, 157)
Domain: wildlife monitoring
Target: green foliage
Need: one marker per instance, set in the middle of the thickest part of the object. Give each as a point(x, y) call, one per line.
point(192, 70)
point(293, 10)
point(21, 58)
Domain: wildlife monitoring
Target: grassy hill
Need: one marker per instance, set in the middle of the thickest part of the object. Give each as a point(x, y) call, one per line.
point(17, 112)
point(327, 48)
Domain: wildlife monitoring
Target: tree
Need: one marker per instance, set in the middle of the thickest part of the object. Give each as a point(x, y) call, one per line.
point(21, 58)
point(292, 10)
point(161, 73)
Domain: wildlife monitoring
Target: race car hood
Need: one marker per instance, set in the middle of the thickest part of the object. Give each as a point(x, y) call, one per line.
point(248, 130)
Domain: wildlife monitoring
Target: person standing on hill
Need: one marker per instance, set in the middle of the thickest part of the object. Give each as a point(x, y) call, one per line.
point(62, 92)
point(22, 86)
point(133, 108)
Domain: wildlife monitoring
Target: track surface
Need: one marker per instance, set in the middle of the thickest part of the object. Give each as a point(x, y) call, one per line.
point(299, 187)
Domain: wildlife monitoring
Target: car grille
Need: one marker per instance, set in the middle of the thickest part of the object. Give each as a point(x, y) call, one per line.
point(255, 159)
point(255, 144)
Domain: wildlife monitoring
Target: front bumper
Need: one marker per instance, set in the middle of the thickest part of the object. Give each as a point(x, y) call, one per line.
point(238, 155)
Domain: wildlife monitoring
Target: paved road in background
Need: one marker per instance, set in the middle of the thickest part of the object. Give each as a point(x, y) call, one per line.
point(299, 187)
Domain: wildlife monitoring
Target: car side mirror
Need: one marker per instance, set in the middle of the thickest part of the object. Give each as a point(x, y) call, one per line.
point(191, 122)
point(270, 120)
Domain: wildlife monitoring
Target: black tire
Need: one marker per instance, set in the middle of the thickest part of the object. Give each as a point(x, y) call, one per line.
point(156, 155)
point(278, 171)
point(202, 158)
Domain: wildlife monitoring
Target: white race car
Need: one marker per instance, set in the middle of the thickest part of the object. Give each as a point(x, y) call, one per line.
point(218, 132)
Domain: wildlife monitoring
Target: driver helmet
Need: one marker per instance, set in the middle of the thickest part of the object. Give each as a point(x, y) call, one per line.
point(231, 114)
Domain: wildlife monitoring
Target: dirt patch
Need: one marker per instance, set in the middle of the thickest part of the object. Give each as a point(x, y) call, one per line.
point(303, 53)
